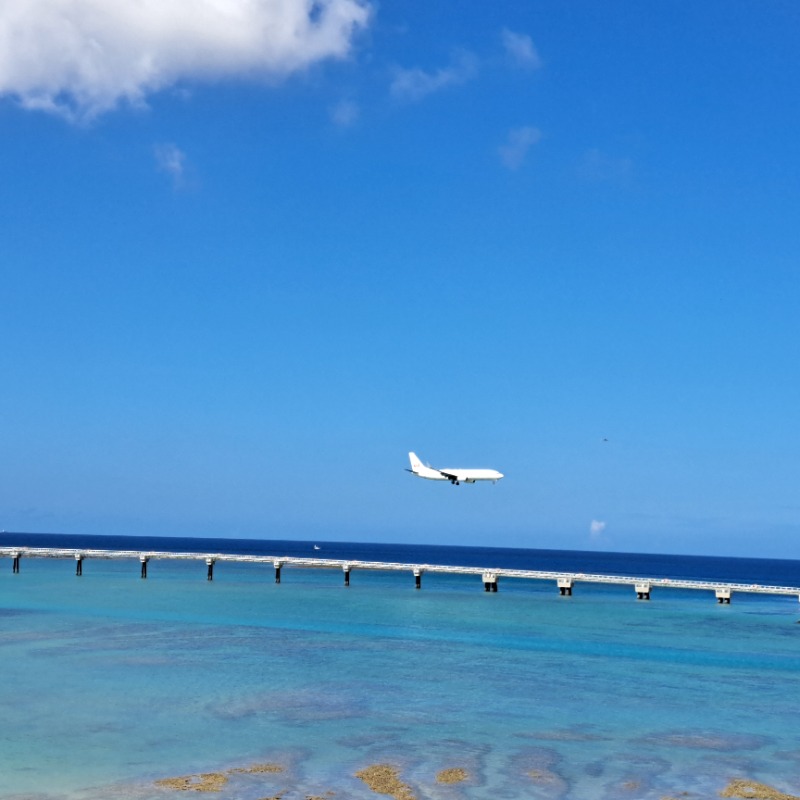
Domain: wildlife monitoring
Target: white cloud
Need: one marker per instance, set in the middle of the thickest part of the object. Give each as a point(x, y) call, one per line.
point(596, 528)
point(172, 160)
point(521, 49)
point(345, 113)
point(601, 168)
point(79, 58)
point(415, 83)
point(520, 140)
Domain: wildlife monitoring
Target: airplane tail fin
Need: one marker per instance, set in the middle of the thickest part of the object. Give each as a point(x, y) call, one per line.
point(416, 464)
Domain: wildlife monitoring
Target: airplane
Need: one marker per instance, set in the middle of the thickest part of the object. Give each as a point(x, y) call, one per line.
point(455, 476)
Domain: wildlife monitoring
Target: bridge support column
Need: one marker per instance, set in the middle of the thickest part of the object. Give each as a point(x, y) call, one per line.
point(418, 578)
point(346, 570)
point(642, 591)
point(78, 564)
point(210, 564)
point(723, 595)
point(15, 563)
point(277, 565)
point(564, 586)
point(489, 581)
point(144, 560)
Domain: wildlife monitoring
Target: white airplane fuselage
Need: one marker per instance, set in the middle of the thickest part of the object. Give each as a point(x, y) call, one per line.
point(455, 476)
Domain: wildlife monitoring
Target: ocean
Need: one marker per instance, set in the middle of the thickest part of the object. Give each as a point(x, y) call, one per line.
point(117, 687)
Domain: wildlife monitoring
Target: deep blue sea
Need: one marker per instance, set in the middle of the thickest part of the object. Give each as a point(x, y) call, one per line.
point(110, 683)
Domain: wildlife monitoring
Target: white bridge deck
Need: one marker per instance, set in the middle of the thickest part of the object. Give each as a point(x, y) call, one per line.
point(564, 580)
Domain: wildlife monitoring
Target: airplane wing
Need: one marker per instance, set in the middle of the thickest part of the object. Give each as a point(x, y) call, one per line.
point(454, 477)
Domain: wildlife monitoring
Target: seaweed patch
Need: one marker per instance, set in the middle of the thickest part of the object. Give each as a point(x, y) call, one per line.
point(452, 775)
point(753, 790)
point(385, 779)
point(204, 782)
point(215, 781)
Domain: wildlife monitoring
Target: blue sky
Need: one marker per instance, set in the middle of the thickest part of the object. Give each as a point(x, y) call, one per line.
point(247, 267)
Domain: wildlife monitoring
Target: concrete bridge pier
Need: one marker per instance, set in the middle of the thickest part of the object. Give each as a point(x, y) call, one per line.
point(489, 581)
point(642, 591)
point(14, 563)
point(346, 570)
point(723, 595)
point(277, 565)
point(210, 564)
point(144, 560)
point(418, 578)
point(79, 564)
point(564, 586)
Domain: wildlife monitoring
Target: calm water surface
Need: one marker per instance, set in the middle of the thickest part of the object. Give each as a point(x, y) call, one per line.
point(109, 683)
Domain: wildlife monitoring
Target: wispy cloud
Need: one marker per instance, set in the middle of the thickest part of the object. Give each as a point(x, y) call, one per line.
point(82, 58)
point(520, 49)
point(599, 167)
point(415, 83)
point(516, 147)
point(596, 528)
point(345, 113)
point(171, 160)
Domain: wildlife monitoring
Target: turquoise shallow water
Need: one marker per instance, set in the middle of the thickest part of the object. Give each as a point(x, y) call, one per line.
point(109, 682)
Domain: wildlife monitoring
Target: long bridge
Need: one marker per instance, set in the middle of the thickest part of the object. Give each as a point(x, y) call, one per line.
point(564, 580)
